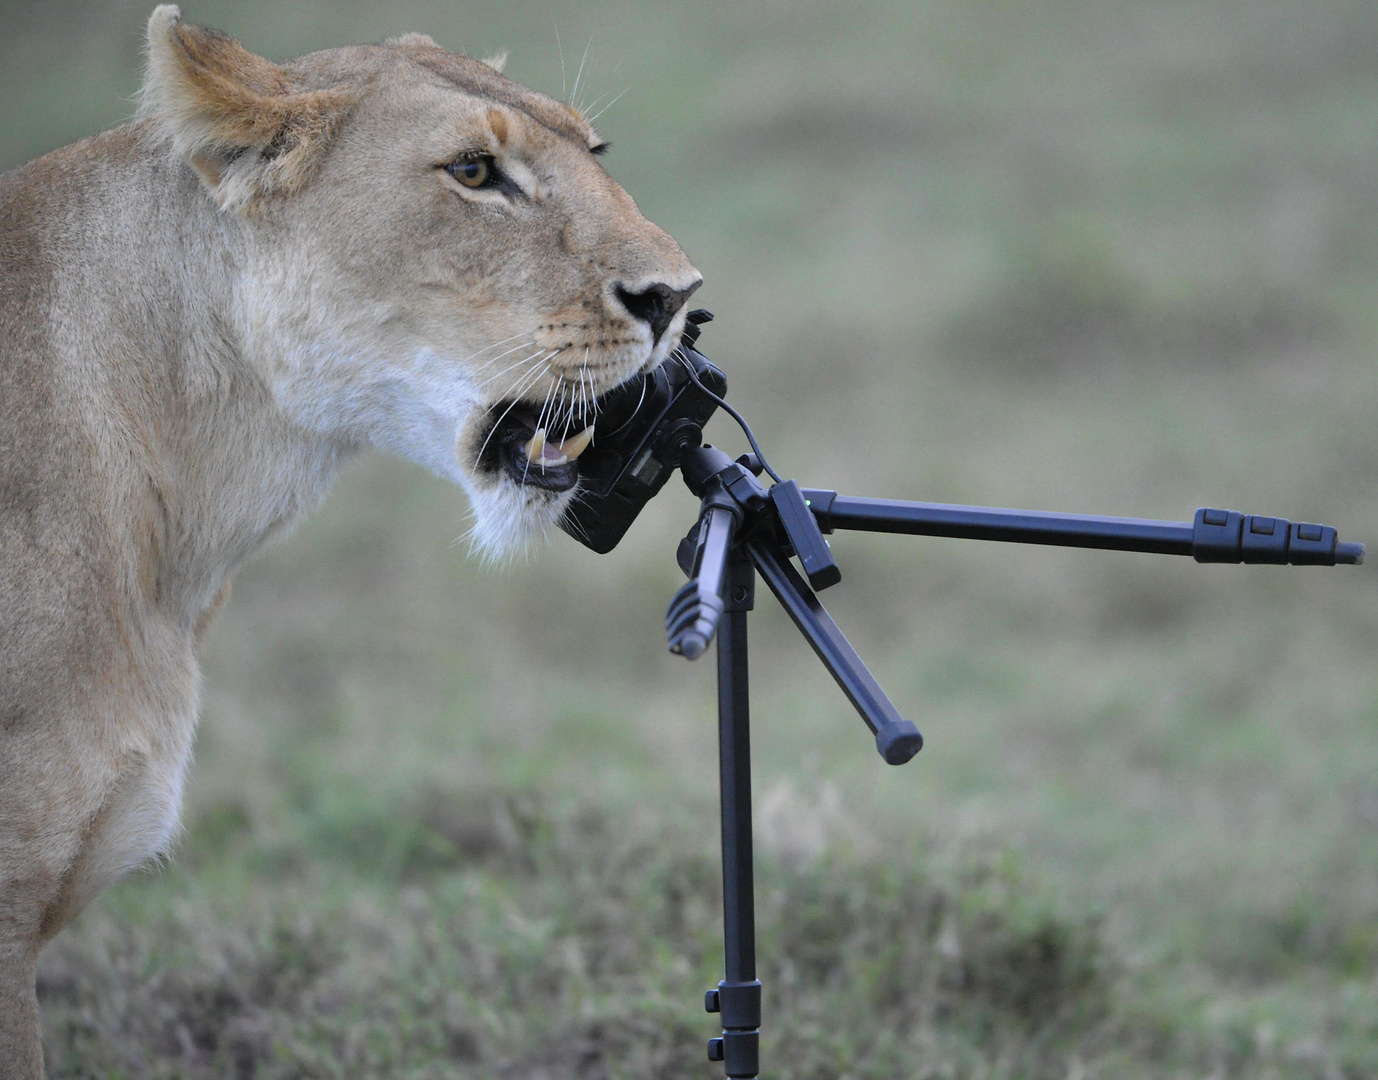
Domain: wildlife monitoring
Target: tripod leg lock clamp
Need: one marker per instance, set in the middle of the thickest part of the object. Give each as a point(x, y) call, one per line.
point(739, 1046)
point(804, 535)
point(740, 1052)
point(739, 1003)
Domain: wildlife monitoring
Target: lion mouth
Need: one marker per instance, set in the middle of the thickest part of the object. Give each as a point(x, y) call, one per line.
point(533, 451)
point(537, 447)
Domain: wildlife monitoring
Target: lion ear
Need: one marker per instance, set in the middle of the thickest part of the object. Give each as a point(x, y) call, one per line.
point(235, 117)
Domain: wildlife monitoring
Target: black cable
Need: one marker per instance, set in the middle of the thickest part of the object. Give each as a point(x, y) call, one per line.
point(750, 435)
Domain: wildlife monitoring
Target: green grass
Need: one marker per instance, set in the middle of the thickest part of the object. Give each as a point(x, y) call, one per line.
point(1092, 256)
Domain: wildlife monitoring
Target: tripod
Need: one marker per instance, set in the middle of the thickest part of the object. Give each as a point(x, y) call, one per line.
point(745, 529)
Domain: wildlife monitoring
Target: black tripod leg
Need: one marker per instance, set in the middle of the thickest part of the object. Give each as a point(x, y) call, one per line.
point(738, 996)
point(897, 739)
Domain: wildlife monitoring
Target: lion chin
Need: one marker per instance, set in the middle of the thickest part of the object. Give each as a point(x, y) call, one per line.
point(203, 314)
point(509, 520)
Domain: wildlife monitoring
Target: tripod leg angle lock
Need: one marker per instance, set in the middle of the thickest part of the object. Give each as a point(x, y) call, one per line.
point(745, 529)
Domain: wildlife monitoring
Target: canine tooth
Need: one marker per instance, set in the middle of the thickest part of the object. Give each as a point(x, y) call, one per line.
point(535, 449)
point(572, 448)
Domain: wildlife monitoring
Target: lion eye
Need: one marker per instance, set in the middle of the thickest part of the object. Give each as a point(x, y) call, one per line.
point(474, 172)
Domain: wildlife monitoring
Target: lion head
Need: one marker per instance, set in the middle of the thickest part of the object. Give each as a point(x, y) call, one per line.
point(425, 256)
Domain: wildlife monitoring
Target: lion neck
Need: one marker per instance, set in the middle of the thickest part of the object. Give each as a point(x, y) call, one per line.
point(203, 454)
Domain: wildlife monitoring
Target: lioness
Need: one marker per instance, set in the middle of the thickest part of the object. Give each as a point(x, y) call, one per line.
point(203, 313)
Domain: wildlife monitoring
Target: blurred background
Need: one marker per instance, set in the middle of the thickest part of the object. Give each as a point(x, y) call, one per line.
point(1096, 256)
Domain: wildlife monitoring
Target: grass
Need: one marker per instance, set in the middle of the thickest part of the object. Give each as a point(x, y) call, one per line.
point(1086, 256)
point(506, 936)
point(509, 934)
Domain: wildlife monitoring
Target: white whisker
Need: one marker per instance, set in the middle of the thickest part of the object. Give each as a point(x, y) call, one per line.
point(545, 407)
point(511, 367)
point(531, 380)
point(594, 104)
point(540, 423)
point(573, 94)
point(573, 524)
point(501, 341)
point(582, 372)
point(606, 107)
point(494, 359)
point(479, 352)
point(562, 59)
point(639, 402)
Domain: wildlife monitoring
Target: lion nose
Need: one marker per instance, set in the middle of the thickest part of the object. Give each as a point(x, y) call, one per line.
point(656, 305)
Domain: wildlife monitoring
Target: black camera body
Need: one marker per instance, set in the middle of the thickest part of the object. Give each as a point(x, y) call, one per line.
point(643, 430)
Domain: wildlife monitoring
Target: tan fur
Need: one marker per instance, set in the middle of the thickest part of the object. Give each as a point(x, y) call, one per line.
point(202, 314)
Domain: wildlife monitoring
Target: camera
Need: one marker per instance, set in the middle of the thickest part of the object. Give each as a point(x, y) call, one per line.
point(642, 432)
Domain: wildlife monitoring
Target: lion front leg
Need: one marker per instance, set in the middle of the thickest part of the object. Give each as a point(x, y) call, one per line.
point(29, 888)
point(21, 1052)
point(69, 831)
point(27, 885)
